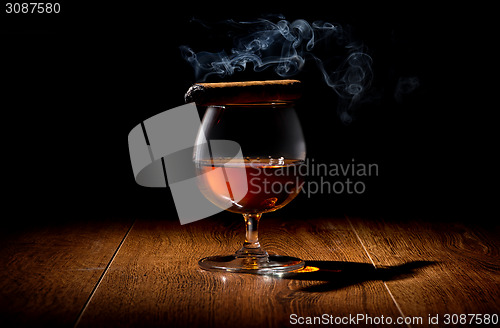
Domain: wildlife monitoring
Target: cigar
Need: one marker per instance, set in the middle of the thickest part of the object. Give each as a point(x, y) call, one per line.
point(227, 93)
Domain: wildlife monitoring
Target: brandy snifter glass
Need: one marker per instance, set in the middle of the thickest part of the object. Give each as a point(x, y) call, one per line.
point(263, 179)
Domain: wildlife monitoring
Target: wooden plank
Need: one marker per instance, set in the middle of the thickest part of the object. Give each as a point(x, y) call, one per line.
point(457, 265)
point(49, 272)
point(155, 281)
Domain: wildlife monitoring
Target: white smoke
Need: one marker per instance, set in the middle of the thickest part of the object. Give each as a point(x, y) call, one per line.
point(284, 46)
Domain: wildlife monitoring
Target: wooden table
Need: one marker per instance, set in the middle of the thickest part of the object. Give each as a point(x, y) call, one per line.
point(144, 272)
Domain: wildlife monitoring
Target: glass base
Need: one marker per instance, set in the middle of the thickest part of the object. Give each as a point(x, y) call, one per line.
point(272, 264)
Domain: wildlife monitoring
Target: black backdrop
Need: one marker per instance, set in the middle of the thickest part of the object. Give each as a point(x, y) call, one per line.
point(75, 84)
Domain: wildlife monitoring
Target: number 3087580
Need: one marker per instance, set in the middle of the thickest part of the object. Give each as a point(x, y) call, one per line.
point(32, 8)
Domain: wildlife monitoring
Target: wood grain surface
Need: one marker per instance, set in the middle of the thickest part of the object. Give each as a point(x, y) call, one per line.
point(156, 278)
point(463, 275)
point(49, 273)
point(116, 274)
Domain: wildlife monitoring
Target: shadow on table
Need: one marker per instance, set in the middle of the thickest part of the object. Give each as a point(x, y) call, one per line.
point(337, 275)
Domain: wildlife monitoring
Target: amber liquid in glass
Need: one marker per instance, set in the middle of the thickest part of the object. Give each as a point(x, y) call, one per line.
point(252, 185)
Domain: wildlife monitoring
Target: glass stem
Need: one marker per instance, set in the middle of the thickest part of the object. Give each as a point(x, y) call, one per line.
point(251, 246)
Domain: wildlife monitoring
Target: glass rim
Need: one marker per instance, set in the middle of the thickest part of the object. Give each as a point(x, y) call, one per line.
point(272, 104)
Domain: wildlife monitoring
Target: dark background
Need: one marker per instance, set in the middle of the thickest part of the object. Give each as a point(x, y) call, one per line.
point(75, 84)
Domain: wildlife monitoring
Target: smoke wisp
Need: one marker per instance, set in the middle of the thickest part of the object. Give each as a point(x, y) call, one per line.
point(284, 47)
